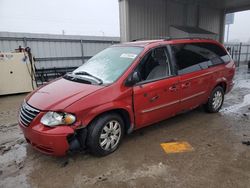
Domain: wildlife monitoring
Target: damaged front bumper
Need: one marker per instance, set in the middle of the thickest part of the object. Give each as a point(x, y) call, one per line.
point(57, 141)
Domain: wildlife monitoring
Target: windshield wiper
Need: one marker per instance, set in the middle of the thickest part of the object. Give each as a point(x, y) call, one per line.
point(70, 76)
point(88, 74)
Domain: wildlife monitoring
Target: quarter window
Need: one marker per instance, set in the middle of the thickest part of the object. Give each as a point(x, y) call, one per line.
point(197, 56)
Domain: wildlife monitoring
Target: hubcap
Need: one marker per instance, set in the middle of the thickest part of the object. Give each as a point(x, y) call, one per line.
point(110, 135)
point(217, 100)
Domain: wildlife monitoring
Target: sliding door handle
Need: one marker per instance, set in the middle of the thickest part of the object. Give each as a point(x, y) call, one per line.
point(154, 98)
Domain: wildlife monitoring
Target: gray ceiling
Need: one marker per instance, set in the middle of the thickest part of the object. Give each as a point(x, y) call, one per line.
point(228, 5)
point(233, 5)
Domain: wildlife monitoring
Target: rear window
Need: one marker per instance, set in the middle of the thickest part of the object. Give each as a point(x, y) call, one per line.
point(196, 56)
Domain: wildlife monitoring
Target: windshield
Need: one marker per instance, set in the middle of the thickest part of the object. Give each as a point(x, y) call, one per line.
point(108, 65)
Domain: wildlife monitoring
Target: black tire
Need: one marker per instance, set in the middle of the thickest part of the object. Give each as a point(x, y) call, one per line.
point(96, 129)
point(211, 106)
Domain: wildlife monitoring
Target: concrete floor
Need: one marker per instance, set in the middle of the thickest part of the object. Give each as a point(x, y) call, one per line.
point(219, 158)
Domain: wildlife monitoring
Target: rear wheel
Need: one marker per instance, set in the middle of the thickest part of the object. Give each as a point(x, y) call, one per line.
point(215, 100)
point(105, 134)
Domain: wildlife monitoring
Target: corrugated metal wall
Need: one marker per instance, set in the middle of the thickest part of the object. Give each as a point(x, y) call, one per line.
point(56, 50)
point(146, 18)
point(123, 13)
point(150, 19)
point(210, 19)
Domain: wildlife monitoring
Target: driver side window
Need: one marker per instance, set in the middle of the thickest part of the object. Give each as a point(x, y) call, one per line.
point(154, 65)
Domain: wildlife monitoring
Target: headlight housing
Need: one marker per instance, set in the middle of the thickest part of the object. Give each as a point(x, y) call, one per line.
point(53, 119)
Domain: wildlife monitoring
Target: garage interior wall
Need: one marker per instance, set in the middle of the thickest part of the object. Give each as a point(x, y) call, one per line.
point(152, 19)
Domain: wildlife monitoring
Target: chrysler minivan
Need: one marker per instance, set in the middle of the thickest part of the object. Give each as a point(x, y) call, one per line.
point(124, 88)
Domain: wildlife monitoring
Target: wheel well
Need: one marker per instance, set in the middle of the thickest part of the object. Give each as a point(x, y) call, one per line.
point(223, 85)
point(123, 113)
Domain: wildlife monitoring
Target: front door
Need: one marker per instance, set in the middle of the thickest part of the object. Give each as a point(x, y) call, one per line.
point(156, 96)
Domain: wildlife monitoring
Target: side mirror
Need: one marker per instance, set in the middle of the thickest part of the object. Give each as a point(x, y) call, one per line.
point(133, 79)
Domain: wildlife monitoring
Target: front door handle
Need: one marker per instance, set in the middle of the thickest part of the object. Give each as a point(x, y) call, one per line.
point(173, 88)
point(186, 85)
point(154, 98)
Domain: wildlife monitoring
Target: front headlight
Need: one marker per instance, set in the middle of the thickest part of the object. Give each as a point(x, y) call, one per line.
point(53, 119)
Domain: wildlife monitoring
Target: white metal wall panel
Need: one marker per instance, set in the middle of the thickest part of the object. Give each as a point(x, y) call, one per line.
point(48, 46)
point(123, 13)
point(55, 49)
point(6, 45)
point(91, 48)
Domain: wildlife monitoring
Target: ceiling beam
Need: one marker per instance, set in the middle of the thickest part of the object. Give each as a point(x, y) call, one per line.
point(237, 9)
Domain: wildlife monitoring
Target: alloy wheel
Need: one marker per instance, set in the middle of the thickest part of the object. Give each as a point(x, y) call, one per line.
point(217, 100)
point(110, 135)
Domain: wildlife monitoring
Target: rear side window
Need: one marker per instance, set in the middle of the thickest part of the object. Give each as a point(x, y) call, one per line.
point(197, 56)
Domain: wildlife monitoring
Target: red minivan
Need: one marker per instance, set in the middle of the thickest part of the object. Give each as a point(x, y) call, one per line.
point(123, 88)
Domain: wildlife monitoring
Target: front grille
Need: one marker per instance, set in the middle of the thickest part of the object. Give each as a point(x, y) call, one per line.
point(27, 114)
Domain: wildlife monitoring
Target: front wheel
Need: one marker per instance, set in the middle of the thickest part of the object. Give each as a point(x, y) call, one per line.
point(215, 100)
point(105, 134)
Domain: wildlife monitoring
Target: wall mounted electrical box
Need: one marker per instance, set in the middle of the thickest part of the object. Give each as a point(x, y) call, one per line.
point(16, 73)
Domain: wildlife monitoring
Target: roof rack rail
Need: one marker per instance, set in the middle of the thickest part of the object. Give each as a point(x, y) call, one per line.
point(151, 38)
point(187, 38)
point(171, 38)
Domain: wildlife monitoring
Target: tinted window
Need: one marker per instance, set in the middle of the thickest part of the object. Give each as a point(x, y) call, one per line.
point(196, 56)
point(154, 65)
point(213, 48)
point(222, 56)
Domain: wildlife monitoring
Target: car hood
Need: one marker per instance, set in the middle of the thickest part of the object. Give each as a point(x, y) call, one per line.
point(59, 94)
